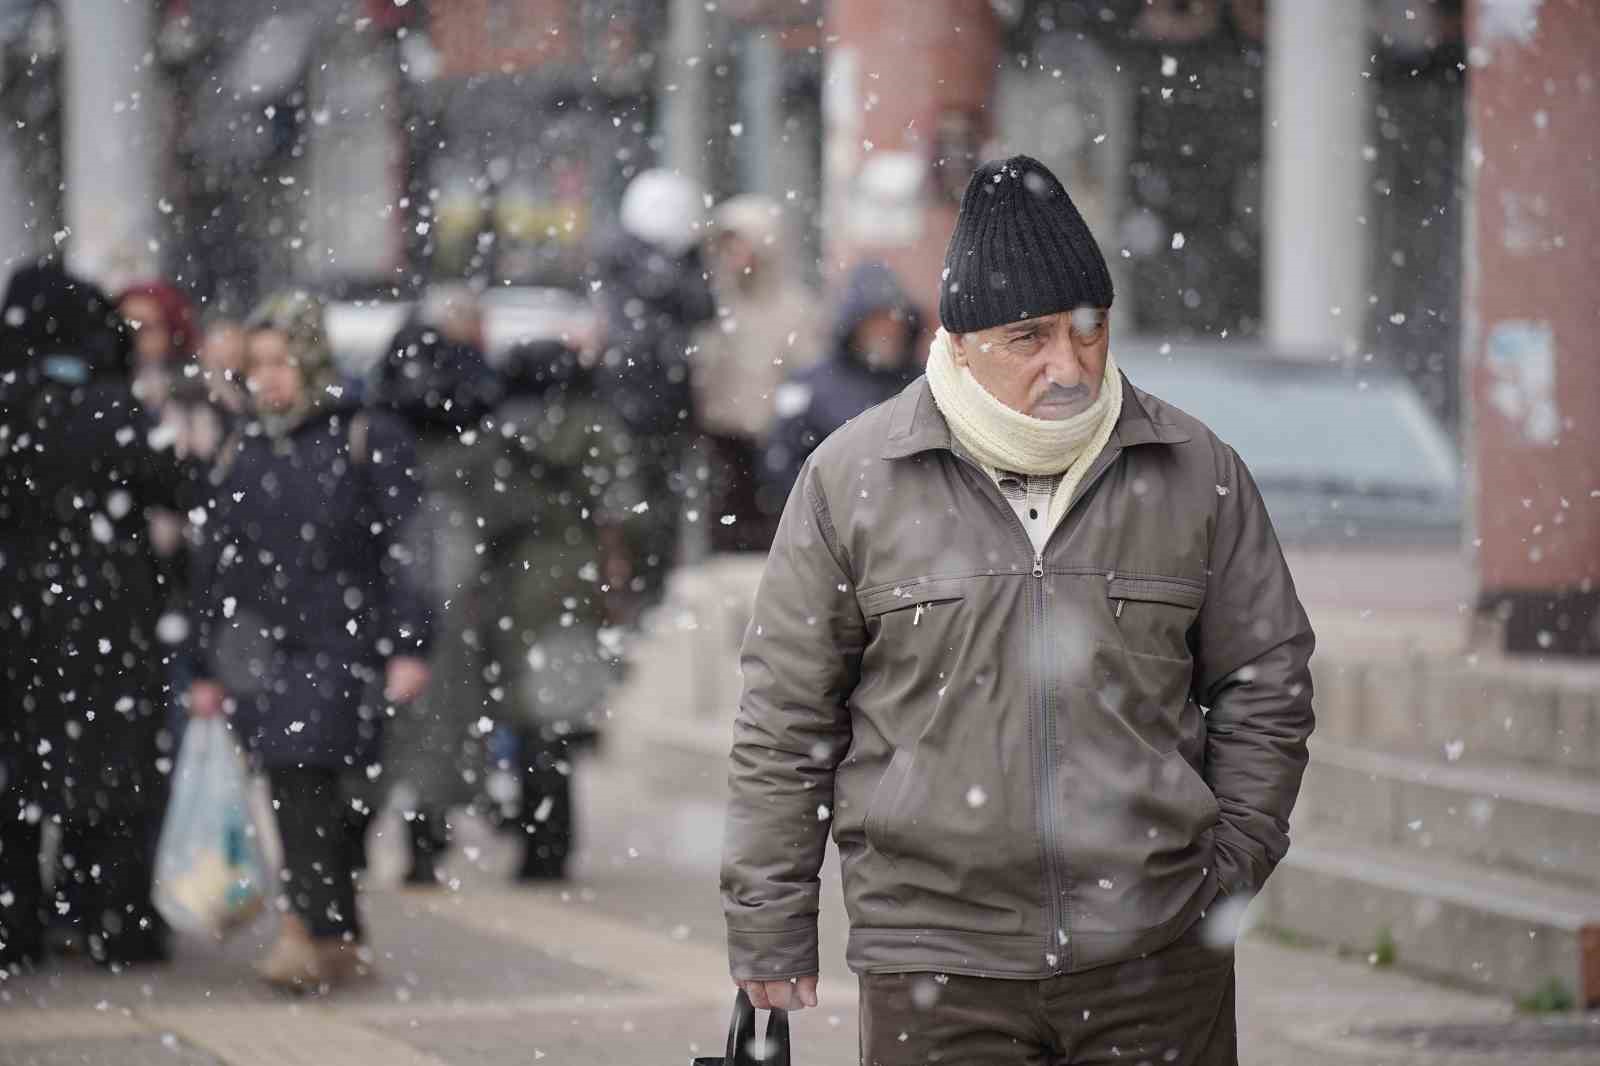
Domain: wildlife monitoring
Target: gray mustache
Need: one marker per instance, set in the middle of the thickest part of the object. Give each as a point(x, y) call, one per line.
point(1066, 394)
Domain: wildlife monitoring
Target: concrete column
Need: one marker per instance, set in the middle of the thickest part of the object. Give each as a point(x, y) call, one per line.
point(354, 167)
point(761, 111)
point(112, 136)
point(16, 243)
point(1533, 380)
point(682, 91)
point(893, 69)
point(1315, 230)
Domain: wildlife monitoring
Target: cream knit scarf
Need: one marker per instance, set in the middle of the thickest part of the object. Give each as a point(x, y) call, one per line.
point(1005, 439)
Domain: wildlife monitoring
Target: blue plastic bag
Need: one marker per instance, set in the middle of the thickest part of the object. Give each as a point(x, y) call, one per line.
point(211, 873)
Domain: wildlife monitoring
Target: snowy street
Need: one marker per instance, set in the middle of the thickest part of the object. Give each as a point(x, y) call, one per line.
point(623, 966)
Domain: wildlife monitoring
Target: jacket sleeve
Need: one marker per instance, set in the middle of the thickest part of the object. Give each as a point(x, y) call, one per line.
point(396, 484)
point(206, 544)
point(1254, 645)
point(801, 660)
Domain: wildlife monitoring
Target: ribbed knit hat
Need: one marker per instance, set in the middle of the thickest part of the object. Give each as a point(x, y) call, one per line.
point(1020, 250)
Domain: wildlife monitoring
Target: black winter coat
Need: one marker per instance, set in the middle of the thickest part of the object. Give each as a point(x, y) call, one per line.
point(303, 587)
point(82, 701)
point(819, 399)
point(652, 303)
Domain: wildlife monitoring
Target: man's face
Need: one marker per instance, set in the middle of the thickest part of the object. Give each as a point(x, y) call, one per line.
point(463, 324)
point(883, 340)
point(1048, 367)
point(273, 373)
point(733, 257)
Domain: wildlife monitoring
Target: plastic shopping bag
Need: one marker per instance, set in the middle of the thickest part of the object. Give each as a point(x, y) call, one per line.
point(743, 1047)
point(211, 876)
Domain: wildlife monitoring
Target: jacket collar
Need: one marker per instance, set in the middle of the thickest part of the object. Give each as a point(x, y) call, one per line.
point(915, 424)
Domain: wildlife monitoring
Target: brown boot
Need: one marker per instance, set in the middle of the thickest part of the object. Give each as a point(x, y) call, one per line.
point(293, 961)
point(300, 962)
point(343, 961)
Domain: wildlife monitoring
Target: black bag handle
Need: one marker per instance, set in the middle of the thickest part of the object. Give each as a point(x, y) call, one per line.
point(742, 1033)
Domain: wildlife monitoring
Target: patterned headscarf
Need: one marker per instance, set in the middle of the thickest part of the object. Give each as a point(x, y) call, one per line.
point(297, 314)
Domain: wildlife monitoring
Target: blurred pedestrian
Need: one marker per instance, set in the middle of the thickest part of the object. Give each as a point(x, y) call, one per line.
point(308, 620)
point(654, 291)
point(164, 342)
point(871, 356)
point(764, 331)
point(556, 502)
point(222, 364)
point(435, 379)
point(164, 337)
point(82, 721)
point(993, 612)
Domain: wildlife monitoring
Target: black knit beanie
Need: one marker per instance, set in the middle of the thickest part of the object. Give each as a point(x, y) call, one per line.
point(1020, 250)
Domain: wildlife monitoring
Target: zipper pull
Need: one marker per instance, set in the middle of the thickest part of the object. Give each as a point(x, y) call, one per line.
point(916, 618)
point(1119, 607)
point(1038, 565)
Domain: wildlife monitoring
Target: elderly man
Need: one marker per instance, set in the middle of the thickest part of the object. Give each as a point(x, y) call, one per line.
point(1026, 641)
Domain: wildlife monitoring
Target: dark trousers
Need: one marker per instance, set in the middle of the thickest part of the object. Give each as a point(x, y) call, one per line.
point(547, 814)
point(734, 489)
point(102, 890)
point(318, 854)
point(1174, 1007)
point(21, 887)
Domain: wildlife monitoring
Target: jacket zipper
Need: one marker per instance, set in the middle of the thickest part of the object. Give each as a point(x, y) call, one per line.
point(1058, 940)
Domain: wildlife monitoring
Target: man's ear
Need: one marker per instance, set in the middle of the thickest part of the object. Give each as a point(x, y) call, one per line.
point(958, 349)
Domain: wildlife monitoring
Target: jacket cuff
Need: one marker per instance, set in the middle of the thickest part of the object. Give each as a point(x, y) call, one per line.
point(775, 956)
point(1234, 872)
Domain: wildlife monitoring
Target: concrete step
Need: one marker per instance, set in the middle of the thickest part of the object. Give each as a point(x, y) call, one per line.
point(1541, 822)
point(1462, 708)
point(1446, 918)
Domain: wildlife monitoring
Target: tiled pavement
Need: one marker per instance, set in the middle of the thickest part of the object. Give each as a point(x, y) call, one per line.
point(623, 966)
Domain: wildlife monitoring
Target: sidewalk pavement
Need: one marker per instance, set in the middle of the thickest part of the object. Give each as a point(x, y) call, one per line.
point(623, 966)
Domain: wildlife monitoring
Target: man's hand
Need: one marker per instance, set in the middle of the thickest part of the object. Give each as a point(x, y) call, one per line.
point(205, 699)
point(797, 993)
point(404, 678)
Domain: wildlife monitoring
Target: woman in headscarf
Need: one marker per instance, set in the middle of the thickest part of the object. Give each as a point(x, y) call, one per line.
point(308, 617)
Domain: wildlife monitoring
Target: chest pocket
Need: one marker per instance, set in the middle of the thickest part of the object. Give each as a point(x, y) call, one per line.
point(912, 623)
point(1153, 614)
point(921, 598)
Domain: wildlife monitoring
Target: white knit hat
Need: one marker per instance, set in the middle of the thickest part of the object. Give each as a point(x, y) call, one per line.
point(665, 210)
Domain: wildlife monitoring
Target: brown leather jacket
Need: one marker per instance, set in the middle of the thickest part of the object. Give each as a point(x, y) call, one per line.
point(1010, 748)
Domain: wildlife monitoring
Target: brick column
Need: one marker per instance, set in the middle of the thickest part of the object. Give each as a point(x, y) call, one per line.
point(893, 70)
point(1533, 374)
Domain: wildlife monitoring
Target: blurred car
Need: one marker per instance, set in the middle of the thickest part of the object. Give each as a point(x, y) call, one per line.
point(515, 314)
point(360, 329)
point(1343, 455)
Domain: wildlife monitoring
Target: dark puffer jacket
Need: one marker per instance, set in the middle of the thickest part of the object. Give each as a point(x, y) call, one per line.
point(303, 586)
point(652, 303)
point(438, 387)
point(82, 707)
point(819, 399)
